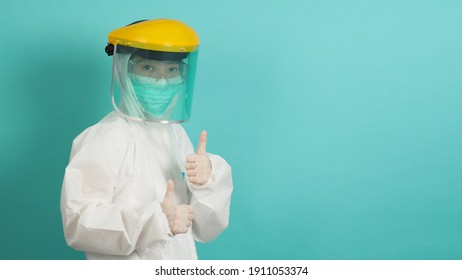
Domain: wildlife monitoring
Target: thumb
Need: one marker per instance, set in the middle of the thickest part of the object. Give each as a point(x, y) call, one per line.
point(170, 194)
point(202, 143)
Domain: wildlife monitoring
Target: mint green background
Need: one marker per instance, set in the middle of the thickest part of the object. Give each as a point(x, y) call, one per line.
point(342, 121)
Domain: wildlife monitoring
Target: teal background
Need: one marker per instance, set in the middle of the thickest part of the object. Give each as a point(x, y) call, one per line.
point(341, 120)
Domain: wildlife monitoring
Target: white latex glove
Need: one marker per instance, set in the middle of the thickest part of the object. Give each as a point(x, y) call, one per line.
point(179, 216)
point(198, 166)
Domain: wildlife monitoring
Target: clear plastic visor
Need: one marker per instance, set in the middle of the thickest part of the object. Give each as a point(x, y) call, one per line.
point(153, 86)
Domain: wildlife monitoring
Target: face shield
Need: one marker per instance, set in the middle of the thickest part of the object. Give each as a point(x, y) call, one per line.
point(152, 85)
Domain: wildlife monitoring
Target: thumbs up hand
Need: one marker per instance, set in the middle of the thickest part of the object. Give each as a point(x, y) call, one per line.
point(198, 166)
point(179, 216)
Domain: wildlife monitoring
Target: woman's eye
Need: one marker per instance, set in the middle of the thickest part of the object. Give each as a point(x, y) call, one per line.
point(173, 69)
point(148, 67)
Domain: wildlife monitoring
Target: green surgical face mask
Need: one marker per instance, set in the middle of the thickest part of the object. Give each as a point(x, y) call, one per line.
point(156, 96)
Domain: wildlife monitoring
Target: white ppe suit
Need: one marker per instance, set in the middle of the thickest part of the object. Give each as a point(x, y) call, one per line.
point(116, 181)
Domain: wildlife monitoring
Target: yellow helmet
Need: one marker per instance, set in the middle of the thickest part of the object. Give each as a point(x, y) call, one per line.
point(158, 35)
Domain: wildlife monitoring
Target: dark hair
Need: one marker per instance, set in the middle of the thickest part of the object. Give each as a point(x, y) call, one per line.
point(152, 55)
